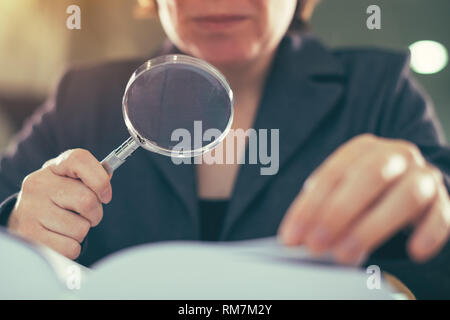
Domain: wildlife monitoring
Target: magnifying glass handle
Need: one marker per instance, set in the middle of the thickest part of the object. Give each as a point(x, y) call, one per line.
point(116, 158)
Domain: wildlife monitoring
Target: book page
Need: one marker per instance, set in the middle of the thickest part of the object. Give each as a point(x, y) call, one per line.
point(24, 273)
point(254, 269)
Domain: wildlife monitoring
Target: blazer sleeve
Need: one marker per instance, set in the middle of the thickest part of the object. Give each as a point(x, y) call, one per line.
point(43, 137)
point(409, 114)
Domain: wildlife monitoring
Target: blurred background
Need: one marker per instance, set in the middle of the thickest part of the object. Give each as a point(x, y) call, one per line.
point(36, 47)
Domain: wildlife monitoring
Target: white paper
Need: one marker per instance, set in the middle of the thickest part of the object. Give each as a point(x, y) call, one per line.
point(254, 269)
point(248, 270)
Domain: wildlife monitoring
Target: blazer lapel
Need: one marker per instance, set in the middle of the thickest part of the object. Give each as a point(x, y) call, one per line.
point(304, 85)
point(181, 178)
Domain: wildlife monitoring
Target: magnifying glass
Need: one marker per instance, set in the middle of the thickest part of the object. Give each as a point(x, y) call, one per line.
point(169, 93)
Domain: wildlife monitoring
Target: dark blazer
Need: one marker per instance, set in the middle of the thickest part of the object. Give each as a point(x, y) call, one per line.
point(317, 98)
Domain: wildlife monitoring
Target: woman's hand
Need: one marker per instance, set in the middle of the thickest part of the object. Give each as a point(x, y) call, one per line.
point(58, 204)
point(365, 192)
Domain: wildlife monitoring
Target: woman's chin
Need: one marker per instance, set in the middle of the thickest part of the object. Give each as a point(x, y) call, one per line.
point(223, 55)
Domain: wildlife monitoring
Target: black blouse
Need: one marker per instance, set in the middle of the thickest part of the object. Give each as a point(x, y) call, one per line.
point(212, 214)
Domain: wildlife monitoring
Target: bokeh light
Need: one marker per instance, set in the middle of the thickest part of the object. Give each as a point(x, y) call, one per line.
point(428, 57)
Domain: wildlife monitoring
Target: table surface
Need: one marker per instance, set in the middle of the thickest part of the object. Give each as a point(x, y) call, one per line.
point(399, 286)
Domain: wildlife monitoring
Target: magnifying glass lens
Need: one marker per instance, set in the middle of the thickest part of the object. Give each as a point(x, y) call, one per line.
point(173, 97)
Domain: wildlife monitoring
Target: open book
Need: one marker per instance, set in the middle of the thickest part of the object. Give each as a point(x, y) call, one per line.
point(254, 269)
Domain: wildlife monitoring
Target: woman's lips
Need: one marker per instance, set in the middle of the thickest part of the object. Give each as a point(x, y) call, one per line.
point(219, 22)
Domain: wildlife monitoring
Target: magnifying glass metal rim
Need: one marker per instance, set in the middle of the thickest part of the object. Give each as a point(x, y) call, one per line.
point(118, 156)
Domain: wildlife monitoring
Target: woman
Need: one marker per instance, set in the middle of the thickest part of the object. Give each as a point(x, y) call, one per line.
point(351, 122)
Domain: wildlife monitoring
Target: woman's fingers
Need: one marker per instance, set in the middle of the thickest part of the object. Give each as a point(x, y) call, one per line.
point(81, 164)
point(305, 208)
point(65, 223)
point(433, 231)
point(58, 242)
point(368, 179)
point(75, 196)
point(365, 192)
point(408, 199)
